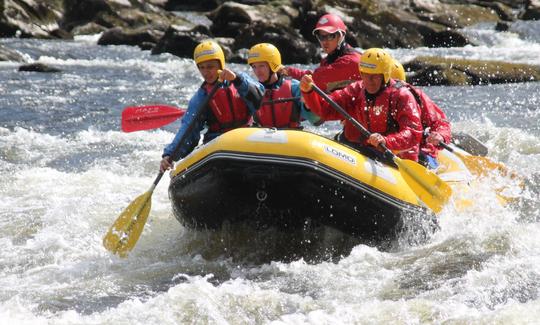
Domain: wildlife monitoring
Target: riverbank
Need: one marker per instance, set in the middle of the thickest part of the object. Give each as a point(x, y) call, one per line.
point(176, 27)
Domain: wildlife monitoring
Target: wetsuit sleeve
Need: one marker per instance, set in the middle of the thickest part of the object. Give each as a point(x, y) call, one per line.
point(407, 115)
point(305, 112)
point(251, 91)
point(193, 137)
point(297, 73)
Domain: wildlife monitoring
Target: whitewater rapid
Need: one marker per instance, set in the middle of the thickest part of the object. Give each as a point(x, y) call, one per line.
point(68, 171)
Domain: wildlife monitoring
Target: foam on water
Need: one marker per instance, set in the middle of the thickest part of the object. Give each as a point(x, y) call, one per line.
point(518, 45)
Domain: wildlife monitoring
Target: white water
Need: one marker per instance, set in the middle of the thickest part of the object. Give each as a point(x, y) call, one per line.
point(67, 172)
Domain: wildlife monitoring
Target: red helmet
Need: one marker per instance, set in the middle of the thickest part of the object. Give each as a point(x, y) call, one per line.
point(330, 23)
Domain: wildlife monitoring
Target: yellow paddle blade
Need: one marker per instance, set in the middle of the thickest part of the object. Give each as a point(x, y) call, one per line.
point(126, 230)
point(429, 187)
point(481, 166)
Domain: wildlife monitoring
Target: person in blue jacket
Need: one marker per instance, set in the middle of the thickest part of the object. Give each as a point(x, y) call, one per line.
point(229, 108)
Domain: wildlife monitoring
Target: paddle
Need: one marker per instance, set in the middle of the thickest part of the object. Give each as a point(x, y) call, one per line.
point(469, 143)
point(126, 230)
point(136, 118)
point(479, 166)
point(431, 189)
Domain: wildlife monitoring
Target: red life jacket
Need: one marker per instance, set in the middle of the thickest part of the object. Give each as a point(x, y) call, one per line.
point(278, 115)
point(432, 117)
point(228, 110)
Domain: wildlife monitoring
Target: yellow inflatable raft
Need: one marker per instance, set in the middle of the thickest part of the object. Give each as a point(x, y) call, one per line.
point(290, 179)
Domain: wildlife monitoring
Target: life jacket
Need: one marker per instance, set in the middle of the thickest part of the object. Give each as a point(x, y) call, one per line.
point(428, 107)
point(278, 115)
point(432, 117)
point(228, 110)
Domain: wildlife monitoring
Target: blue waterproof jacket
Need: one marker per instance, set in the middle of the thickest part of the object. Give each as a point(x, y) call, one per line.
point(248, 90)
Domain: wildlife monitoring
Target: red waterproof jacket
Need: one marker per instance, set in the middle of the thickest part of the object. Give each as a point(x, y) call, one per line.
point(392, 112)
point(228, 109)
point(433, 118)
point(335, 71)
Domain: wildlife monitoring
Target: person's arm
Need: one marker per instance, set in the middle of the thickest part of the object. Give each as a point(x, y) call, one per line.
point(193, 138)
point(407, 115)
point(305, 112)
point(250, 90)
point(319, 106)
point(295, 73)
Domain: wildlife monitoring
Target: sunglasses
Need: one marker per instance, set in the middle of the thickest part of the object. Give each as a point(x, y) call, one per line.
point(327, 37)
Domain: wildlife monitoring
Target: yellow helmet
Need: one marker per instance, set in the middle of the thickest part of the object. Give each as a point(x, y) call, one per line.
point(265, 52)
point(376, 61)
point(398, 72)
point(209, 50)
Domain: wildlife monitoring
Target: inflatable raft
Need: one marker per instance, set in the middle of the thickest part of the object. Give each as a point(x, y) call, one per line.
point(290, 179)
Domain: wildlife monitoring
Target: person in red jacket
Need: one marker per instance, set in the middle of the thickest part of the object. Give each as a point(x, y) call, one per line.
point(390, 113)
point(434, 122)
point(340, 66)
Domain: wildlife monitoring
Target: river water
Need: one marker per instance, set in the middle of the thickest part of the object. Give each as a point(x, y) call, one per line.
point(68, 171)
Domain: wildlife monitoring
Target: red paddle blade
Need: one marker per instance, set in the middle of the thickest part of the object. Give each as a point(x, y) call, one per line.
point(136, 118)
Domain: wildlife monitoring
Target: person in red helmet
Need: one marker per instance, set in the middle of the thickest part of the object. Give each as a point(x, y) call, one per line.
point(340, 66)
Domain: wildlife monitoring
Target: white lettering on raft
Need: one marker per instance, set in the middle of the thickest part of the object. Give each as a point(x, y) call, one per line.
point(340, 155)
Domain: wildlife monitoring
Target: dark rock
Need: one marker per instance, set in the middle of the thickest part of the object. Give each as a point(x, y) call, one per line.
point(120, 36)
point(447, 38)
point(292, 47)
point(204, 5)
point(77, 12)
point(180, 42)
point(29, 18)
point(263, 23)
point(429, 71)
point(192, 5)
point(38, 67)
point(502, 27)
point(532, 10)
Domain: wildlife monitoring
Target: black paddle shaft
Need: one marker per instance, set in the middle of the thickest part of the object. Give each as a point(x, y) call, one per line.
point(351, 119)
point(190, 127)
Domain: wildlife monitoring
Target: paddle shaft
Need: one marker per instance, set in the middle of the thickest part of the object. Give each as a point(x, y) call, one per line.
point(447, 147)
point(280, 100)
